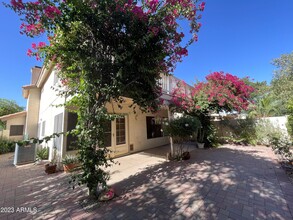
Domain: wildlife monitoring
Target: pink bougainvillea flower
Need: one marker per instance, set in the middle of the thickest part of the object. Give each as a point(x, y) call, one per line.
point(202, 6)
point(34, 46)
point(18, 4)
point(41, 44)
point(52, 11)
point(29, 52)
point(152, 4)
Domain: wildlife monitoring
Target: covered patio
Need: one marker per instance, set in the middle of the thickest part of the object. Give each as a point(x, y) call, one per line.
point(230, 182)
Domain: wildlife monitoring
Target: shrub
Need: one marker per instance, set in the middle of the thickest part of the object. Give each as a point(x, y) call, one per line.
point(289, 124)
point(282, 147)
point(266, 132)
point(239, 131)
point(6, 146)
point(248, 131)
point(42, 153)
point(212, 136)
point(181, 130)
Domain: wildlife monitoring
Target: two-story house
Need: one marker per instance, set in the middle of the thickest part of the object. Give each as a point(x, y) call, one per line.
point(130, 133)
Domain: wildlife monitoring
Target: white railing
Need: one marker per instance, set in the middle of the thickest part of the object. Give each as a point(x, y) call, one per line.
point(169, 83)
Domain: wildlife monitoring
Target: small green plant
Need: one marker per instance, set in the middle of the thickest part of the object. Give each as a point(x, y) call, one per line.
point(69, 159)
point(282, 147)
point(42, 153)
point(6, 146)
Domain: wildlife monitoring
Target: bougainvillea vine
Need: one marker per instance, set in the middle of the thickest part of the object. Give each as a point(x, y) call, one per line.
point(103, 50)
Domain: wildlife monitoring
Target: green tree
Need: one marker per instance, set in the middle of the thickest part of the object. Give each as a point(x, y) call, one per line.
point(9, 107)
point(265, 106)
point(106, 50)
point(260, 88)
point(282, 83)
point(289, 124)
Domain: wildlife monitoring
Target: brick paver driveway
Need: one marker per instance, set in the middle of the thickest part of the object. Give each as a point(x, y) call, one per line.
point(226, 183)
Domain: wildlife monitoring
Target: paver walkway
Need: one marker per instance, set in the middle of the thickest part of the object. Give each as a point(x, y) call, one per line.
point(231, 182)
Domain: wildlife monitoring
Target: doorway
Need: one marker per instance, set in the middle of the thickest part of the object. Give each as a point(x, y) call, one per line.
point(116, 136)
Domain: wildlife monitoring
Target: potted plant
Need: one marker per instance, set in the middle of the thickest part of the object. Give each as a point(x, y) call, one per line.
point(186, 155)
point(70, 162)
point(51, 167)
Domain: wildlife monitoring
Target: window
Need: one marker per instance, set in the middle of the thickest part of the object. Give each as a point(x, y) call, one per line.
point(16, 130)
point(154, 127)
point(71, 124)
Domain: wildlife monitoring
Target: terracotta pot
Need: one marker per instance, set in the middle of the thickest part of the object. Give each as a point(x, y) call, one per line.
point(69, 167)
point(185, 155)
point(49, 168)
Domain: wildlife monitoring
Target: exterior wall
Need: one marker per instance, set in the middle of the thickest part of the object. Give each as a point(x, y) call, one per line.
point(14, 121)
point(47, 111)
point(278, 122)
point(137, 128)
point(138, 133)
point(33, 105)
point(224, 130)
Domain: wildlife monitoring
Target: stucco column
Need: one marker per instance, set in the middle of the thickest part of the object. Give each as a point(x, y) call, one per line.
point(32, 117)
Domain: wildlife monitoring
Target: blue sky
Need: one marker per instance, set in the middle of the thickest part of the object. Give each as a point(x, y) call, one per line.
point(237, 36)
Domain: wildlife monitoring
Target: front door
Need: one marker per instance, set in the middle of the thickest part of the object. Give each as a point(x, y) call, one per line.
point(116, 136)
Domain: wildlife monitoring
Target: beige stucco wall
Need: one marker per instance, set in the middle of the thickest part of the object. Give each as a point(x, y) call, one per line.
point(42, 105)
point(136, 129)
point(136, 122)
point(33, 104)
point(13, 121)
point(49, 101)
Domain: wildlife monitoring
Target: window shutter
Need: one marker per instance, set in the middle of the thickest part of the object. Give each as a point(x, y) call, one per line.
point(43, 128)
point(58, 119)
